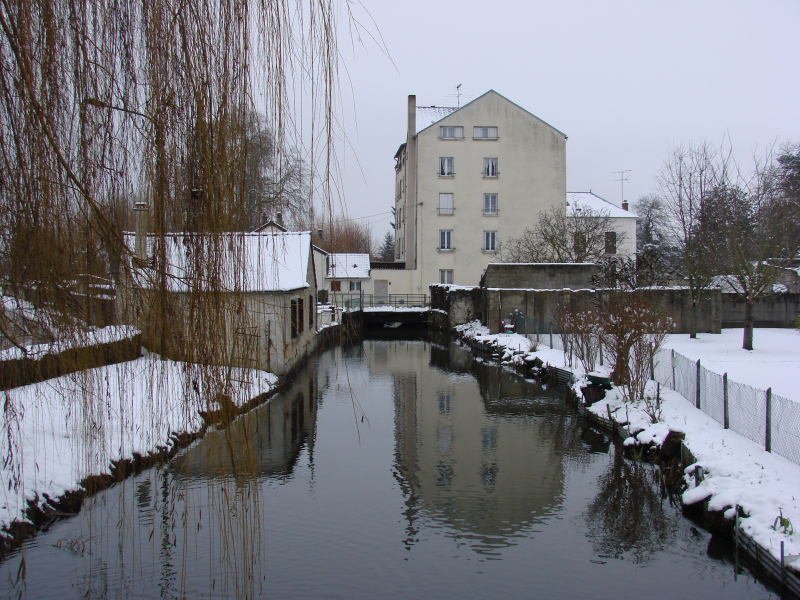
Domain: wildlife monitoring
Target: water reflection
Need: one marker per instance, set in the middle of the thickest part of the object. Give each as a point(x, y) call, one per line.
point(475, 453)
point(627, 518)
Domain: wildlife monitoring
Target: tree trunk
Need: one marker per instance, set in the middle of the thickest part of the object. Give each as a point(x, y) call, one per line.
point(693, 315)
point(747, 336)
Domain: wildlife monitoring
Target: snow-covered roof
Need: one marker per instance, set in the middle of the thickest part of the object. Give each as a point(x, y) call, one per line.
point(428, 115)
point(579, 200)
point(348, 266)
point(248, 262)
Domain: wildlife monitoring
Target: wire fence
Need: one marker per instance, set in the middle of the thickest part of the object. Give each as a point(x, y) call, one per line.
point(770, 420)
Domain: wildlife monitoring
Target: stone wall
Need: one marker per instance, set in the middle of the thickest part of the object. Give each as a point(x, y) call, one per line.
point(540, 276)
point(462, 304)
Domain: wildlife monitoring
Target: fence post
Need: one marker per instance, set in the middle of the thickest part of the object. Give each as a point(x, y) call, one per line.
point(601, 354)
point(672, 353)
point(726, 423)
point(768, 431)
point(551, 334)
point(697, 400)
point(653, 365)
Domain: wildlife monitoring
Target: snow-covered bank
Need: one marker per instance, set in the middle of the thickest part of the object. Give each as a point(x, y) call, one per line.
point(93, 337)
point(58, 432)
point(736, 471)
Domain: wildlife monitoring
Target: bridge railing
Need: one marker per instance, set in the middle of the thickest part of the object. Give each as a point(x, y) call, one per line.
point(357, 300)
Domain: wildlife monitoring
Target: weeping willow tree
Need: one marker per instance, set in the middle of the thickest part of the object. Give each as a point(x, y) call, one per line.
point(105, 103)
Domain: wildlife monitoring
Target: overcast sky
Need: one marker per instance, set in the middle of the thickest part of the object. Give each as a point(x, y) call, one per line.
point(625, 80)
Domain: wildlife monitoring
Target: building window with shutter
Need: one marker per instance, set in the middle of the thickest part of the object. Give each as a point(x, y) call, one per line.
point(484, 133)
point(490, 241)
point(446, 204)
point(451, 133)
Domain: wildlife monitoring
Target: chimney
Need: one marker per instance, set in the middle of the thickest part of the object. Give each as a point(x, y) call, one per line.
point(140, 208)
point(412, 116)
point(279, 218)
point(319, 233)
point(624, 205)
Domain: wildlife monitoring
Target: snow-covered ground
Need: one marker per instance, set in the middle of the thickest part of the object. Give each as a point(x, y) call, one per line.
point(736, 471)
point(93, 337)
point(58, 432)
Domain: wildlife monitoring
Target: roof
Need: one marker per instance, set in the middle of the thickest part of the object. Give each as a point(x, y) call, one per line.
point(437, 113)
point(248, 262)
point(270, 227)
point(348, 266)
point(428, 115)
point(578, 200)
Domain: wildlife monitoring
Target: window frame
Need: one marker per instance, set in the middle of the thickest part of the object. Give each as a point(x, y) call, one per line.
point(445, 274)
point(443, 170)
point(445, 239)
point(491, 168)
point(455, 130)
point(443, 209)
point(355, 286)
point(610, 241)
point(489, 235)
point(484, 129)
point(487, 208)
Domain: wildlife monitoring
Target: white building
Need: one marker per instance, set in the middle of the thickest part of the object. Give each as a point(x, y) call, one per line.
point(621, 237)
point(466, 179)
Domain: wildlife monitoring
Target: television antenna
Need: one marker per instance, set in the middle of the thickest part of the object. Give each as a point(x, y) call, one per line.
point(622, 179)
point(458, 95)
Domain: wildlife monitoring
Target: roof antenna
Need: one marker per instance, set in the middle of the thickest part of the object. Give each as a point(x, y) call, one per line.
point(458, 94)
point(622, 179)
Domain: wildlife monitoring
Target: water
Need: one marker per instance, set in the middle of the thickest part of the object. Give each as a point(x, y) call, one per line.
point(389, 470)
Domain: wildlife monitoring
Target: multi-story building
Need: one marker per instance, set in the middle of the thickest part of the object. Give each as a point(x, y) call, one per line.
point(466, 179)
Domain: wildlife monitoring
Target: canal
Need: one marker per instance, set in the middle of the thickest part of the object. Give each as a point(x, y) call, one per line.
point(392, 469)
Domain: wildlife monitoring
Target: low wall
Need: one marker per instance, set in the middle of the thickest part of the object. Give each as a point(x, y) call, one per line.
point(543, 276)
point(462, 304)
point(775, 310)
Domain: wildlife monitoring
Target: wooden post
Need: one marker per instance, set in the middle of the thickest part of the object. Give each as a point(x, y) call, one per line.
point(551, 334)
point(726, 423)
point(672, 353)
point(768, 430)
point(697, 399)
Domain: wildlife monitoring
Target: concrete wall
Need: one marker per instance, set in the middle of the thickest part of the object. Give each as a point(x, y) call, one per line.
point(542, 276)
point(462, 304)
point(776, 310)
point(537, 306)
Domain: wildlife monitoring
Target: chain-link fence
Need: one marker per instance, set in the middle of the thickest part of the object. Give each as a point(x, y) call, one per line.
point(767, 419)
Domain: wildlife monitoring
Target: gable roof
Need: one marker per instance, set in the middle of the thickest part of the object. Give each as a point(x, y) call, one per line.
point(246, 262)
point(348, 266)
point(437, 113)
point(578, 200)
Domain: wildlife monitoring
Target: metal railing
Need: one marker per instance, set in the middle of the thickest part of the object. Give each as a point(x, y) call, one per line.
point(357, 300)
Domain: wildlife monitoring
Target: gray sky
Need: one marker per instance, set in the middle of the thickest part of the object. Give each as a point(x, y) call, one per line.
point(625, 80)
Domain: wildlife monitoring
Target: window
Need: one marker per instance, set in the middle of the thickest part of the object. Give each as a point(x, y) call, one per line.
point(336, 286)
point(490, 241)
point(490, 204)
point(490, 167)
point(446, 204)
point(611, 242)
point(355, 286)
point(446, 166)
point(484, 133)
point(451, 133)
point(445, 239)
point(446, 276)
point(297, 322)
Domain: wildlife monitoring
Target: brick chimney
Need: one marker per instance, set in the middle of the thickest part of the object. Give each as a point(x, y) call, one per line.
point(624, 205)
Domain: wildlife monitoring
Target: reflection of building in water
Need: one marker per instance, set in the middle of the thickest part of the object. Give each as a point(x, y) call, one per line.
point(490, 474)
point(265, 442)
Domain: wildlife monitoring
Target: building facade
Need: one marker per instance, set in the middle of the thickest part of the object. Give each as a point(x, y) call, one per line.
point(466, 179)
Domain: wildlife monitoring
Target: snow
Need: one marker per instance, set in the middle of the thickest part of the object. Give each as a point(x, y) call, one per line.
point(579, 200)
point(62, 430)
point(249, 262)
point(735, 471)
point(105, 335)
point(374, 309)
point(774, 362)
point(428, 115)
point(348, 266)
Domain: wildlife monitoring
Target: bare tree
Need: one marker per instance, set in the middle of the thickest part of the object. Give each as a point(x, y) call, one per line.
point(686, 180)
point(345, 235)
point(558, 237)
point(753, 227)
